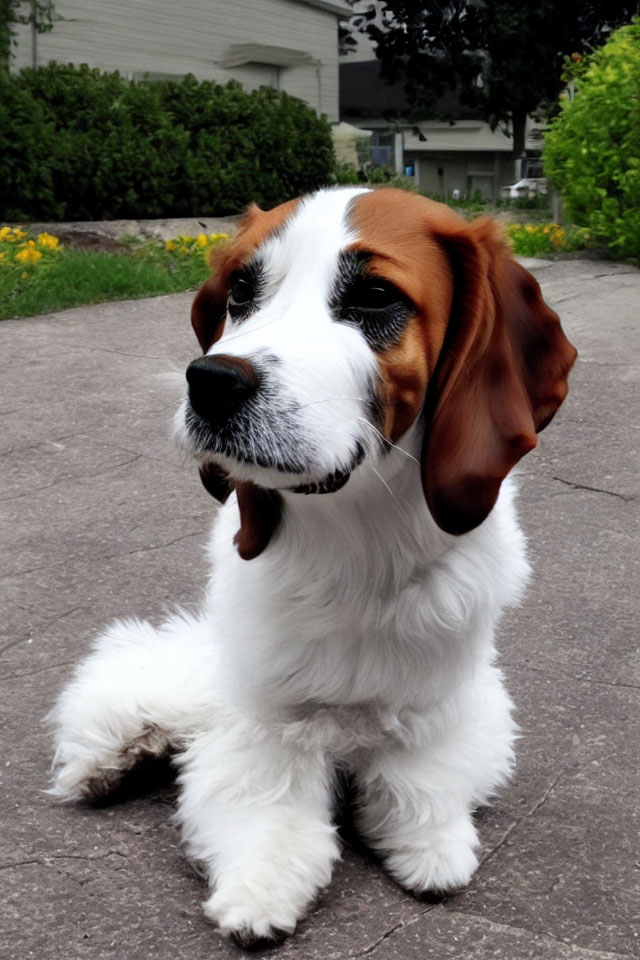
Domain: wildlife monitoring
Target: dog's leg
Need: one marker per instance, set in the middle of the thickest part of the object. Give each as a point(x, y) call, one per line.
point(416, 801)
point(139, 694)
point(256, 814)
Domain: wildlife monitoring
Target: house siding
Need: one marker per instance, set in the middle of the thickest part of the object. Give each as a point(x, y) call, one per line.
point(165, 38)
point(440, 173)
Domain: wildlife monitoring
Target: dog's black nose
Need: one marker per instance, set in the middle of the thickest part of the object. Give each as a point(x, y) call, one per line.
point(219, 385)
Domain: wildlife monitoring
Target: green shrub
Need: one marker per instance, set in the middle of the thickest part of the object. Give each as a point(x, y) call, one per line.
point(346, 174)
point(115, 151)
point(592, 151)
point(79, 144)
point(264, 146)
point(26, 144)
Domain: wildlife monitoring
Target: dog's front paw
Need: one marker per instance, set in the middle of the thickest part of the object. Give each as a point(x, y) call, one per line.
point(441, 861)
point(263, 898)
point(251, 912)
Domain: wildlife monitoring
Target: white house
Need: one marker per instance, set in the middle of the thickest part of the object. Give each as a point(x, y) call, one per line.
point(291, 45)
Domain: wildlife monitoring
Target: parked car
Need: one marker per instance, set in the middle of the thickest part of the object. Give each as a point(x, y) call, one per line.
point(530, 187)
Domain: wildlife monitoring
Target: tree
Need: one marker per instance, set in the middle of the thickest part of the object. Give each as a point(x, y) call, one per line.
point(592, 151)
point(40, 14)
point(503, 57)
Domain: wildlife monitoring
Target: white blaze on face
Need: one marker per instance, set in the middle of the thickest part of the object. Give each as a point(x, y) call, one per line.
point(322, 370)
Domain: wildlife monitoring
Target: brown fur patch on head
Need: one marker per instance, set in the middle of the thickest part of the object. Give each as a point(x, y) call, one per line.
point(394, 227)
point(209, 307)
point(256, 224)
point(403, 381)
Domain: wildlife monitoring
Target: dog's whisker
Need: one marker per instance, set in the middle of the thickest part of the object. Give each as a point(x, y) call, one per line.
point(394, 446)
point(383, 481)
point(311, 403)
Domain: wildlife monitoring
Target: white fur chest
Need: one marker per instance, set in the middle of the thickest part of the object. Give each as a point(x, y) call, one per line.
point(384, 608)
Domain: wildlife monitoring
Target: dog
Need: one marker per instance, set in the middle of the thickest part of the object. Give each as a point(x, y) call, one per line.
point(373, 367)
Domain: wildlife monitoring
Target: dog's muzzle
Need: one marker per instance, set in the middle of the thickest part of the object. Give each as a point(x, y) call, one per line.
point(218, 386)
point(226, 415)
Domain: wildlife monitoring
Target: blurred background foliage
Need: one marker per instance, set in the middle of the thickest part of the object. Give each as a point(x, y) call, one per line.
point(592, 149)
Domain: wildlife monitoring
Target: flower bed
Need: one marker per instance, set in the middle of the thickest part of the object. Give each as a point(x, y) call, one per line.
point(40, 274)
point(542, 239)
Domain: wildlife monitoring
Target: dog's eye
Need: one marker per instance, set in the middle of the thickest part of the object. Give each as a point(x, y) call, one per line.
point(373, 304)
point(372, 293)
point(241, 288)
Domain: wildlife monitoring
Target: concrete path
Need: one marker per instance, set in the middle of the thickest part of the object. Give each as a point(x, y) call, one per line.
point(101, 518)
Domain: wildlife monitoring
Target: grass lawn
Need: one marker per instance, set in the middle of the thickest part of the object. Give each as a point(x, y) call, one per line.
point(41, 275)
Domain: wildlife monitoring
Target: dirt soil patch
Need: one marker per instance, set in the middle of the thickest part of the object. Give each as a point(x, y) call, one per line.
point(88, 240)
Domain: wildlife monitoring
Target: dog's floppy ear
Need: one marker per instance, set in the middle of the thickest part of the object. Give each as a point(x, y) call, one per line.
point(209, 309)
point(501, 376)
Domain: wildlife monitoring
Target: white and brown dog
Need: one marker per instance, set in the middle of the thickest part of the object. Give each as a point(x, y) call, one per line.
point(373, 367)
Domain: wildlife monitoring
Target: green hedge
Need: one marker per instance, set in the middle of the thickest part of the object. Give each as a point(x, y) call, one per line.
point(592, 151)
point(78, 144)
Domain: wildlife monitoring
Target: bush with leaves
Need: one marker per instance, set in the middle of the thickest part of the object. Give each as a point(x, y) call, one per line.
point(115, 153)
point(592, 151)
point(76, 143)
point(27, 144)
point(261, 145)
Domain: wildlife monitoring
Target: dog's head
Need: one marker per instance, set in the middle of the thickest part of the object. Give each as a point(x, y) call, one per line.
point(333, 324)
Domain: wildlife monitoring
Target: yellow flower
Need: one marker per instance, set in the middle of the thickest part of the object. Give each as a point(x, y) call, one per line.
point(202, 240)
point(169, 245)
point(23, 276)
point(48, 241)
point(28, 254)
point(530, 228)
point(4, 233)
point(558, 237)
